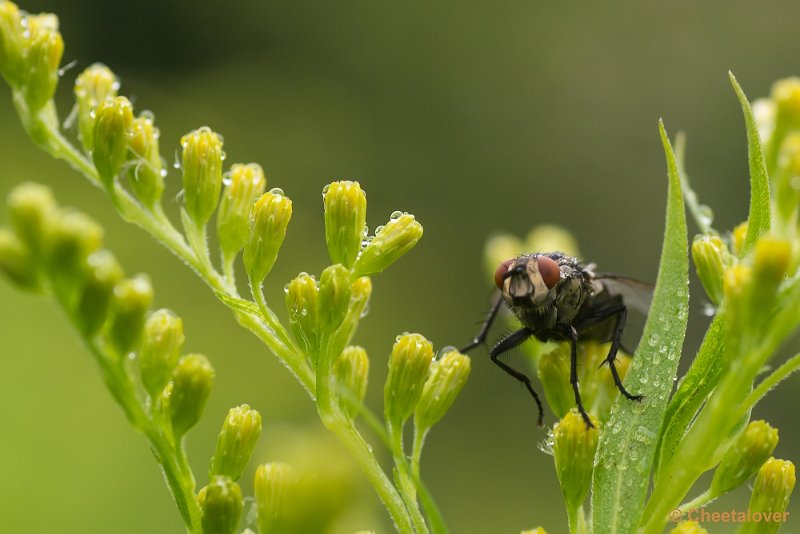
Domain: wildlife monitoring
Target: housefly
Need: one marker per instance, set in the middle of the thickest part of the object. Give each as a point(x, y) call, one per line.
point(557, 298)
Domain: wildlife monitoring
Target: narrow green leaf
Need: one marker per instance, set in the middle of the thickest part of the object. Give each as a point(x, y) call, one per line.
point(759, 216)
point(628, 440)
point(702, 214)
point(693, 389)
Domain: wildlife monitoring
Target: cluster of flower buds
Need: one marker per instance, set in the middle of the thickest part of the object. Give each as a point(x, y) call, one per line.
point(50, 248)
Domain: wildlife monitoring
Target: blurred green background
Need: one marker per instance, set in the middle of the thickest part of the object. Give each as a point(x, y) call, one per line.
point(477, 118)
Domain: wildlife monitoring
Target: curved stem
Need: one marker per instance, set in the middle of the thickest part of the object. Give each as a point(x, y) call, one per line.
point(700, 501)
point(781, 373)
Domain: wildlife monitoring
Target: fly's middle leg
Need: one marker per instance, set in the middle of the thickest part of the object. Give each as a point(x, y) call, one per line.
point(611, 359)
point(573, 376)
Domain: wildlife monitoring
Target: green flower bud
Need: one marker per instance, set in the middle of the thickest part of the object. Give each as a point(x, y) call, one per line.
point(334, 297)
point(113, 123)
point(269, 218)
point(30, 207)
point(351, 369)
point(500, 248)
point(273, 484)
point(16, 261)
point(409, 364)
point(574, 445)
point(103, 273)
point(345, 220)
point(191, 386)
point(553, 370)
point(302, 295)
point(132, 297)
point(741, 461)
point(44, 49)
point(222, 506)
point(202, 173)
point(391, 242)
point(771, 491)
point(245, 184)
point(146, 176)
point(711, 258)
point(72, 237)
point(447, 377)
point(550, 237)
point(360, 292)
point(688, 527)
point(162, 343)
point(12, 40)
point(94, 85)
point(236, 442)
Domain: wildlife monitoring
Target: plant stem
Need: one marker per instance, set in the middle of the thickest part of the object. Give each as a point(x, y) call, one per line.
point(781, 373)
point(405, 478)
point(698, 502)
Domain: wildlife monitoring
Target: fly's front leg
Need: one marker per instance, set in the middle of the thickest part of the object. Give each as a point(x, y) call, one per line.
point(487, 323)
point(513, 340)
point(611, 359)
point(573, 374)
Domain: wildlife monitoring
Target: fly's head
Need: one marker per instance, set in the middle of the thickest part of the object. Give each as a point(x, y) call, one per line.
point(526, 280)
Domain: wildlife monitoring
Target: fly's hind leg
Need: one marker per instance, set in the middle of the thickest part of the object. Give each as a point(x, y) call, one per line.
point(513, 340)
point(573, 375)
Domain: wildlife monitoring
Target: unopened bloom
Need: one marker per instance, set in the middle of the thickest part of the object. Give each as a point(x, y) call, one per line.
point(345, 220)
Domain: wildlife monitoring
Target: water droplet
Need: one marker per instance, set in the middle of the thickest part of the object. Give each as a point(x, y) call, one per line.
point(379, 229)
point(365, 311)
point(709, 310)
point(63, 70)
point(326, 189)
point(304, 312)
point(286, 288)
point(277, 191)
point(396, 215)
point(705, 214)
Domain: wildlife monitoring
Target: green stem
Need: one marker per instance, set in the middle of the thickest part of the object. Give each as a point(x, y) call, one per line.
point(781, 373)
point(405, 478)
point(700, 501)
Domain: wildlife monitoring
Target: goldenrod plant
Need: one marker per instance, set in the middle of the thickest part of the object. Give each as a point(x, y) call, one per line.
point(636, 465)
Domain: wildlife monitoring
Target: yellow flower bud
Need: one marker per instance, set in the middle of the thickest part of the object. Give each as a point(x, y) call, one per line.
point(112, 130)
point(447, 377)
point(162, 343)
point(244, 185)
point(574, 445)
point(221, 502)
point(146, 174)
point(103, 274)
point(688, 527)
point(786, 95)
point(334, 297)
point(202, 173)
point(12, 39)
point(737, 238)
point(94, 85)
point(711, 258)
point(351, 369)
point(30, 208)
point(409, 364)
point(274, 483)
point(744, 457)
point(345, 220)
point(44, 48)
point(549, 237)
point(771, 491)
point(132, 298)
point(269, 218)
point(236, 441)
point(191, 386)
point(302, 303)
point(391, 242)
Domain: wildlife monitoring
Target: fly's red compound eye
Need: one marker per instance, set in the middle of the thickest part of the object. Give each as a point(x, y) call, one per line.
point(501, 271)
point(549, 270)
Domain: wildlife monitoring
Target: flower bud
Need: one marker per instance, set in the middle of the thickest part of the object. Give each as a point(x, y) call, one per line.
point(132, 297)
point(351, 369)
point(94, 85)
point(711, 257)
point(770, 262)
point(113, 121)
point(345, 220)
point(550, 237)
point(334, 297)
point(269, 218)
point(273, 484)
point(500, 248)
point(103, 273)
point(236, 442)
point(786, 95)
point(736, 280)
point(553, 370)
point(360, 292)
point(245, 184)
point(162, 342)
point(391, 242)
point(12, 40)
point(30, 207)
point(16, 261)
point(202, 173)
point(537, 530)
point(146, 175)
point(447, 376)
point(302, 297)
point(409, 364)
point(71, 238)
point(42, 57)
point(771, 491)
point(688, 527)
point(574, 445)
point(744, 457)
point(191, 386)
point(737, 238)
point(221, 502)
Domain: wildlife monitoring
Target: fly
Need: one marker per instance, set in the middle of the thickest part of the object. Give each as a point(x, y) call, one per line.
point(556, 298)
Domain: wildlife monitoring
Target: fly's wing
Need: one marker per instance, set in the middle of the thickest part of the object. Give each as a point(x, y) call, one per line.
point(637, 295)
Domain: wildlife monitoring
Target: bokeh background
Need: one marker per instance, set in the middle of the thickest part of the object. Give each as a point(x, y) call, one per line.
point(476, 117)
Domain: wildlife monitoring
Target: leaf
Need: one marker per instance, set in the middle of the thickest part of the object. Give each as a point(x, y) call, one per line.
point(628, 440)
point(759, 216)
point(693, 389)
